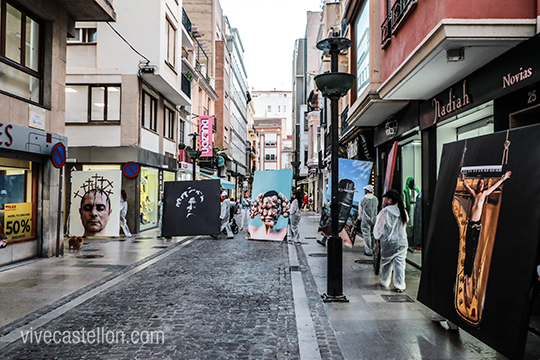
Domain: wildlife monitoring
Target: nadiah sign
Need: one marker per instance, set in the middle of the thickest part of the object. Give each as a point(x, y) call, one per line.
point(205, 142)
point(454, 103)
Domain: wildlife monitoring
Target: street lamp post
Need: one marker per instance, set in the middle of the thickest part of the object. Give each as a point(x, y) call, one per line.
point(193, 153)
point(295, 164)
point(334, 85)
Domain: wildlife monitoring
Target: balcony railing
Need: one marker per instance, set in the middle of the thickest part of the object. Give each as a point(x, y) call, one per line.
point(186, 86)
point(398, 13)
point(186, 22)
point(200, 55)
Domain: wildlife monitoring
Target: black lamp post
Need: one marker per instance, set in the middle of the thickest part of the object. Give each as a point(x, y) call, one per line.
point(295, 164)
point(334, 85)
point(194, 154)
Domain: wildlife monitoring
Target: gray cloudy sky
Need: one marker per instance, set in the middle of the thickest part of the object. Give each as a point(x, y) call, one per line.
point(268, 30)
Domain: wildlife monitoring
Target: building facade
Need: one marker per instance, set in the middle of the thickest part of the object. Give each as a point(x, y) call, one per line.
point(125, 105)
point(32, 88)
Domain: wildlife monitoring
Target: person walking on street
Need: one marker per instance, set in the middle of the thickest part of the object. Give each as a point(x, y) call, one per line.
point(390, 230)
point(306, 201)
point(123, 213)
point(294, 218)
point(225, 215)
point(246, 204)
point(369, 205)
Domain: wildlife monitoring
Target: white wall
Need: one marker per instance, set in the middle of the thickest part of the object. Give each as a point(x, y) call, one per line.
point(261, 100)
point(150, 141)
point(90, 135)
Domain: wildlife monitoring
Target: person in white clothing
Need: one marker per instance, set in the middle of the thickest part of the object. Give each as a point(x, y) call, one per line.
point(225, 215)
point(367, 214)
point(294, 219)
point(390, 230)
point(123, 213)
point(246, 204)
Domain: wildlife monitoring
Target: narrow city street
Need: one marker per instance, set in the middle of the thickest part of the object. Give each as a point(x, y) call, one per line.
point(200, 298)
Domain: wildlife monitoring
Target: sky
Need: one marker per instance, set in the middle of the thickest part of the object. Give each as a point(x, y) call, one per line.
point(268, 30)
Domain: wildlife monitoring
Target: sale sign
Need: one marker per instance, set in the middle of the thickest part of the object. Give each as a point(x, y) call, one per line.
point(205, 142)
point(18, 221)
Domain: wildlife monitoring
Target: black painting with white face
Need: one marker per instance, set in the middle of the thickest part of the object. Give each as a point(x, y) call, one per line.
point(191, 208)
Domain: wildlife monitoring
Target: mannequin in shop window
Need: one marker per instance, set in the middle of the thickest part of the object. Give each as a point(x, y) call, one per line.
point(410, 194)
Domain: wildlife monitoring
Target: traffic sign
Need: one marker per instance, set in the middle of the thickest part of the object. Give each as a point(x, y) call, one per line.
point(131, 169)
point(58, 155)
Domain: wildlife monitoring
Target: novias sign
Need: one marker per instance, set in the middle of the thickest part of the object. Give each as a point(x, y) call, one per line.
point(454, 103)
point(509, 79)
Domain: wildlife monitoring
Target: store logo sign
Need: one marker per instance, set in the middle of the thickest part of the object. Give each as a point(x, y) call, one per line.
point(205, 142)
point(454, 103)
point(509, 79)
point(391, 128)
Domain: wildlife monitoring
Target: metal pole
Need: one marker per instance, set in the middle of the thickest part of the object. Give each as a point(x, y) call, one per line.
point(334, 244)
point(194, 160)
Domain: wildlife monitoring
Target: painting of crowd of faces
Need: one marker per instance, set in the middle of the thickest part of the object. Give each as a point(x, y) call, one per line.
point(271, 205)
point(480, 259)
point(191, 208)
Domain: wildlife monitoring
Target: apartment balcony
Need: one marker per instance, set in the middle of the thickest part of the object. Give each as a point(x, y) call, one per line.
point(90, 10)
point(186, 30)
point(429, 47)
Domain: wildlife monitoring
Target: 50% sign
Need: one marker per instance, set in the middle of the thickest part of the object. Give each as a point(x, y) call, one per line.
point(18, 221)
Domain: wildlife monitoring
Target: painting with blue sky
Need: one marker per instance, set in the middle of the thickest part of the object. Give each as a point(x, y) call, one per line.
point(355, 174)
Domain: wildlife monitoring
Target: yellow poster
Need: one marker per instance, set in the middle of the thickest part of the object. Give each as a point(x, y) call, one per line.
point(18, 221)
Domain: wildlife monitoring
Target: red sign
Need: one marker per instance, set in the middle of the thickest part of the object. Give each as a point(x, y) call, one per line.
point(205, 129)
point(58, 155)
point(131, 169)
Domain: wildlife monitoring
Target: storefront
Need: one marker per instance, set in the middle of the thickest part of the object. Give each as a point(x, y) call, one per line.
point(499, 96)
point(27, 176)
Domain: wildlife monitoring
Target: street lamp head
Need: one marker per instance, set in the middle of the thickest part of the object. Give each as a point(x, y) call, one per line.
point(334, 44)
point(194, 134)
point(334, 85)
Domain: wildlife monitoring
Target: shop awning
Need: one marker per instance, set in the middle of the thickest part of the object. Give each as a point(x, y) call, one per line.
point(226, 184)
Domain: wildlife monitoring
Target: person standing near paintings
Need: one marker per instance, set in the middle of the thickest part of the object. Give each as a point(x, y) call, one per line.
point(225, 215)
point(410, 194)
point(246, 204)
point(294, 218)
point(390, 230)
point(123, 213)
point(369, 205)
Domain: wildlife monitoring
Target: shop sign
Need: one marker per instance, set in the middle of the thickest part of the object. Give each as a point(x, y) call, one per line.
point(205, 142)
point(391, 128)
point(36, 117)
point(22, 138)
point(454, 103)
point(18, 221)
point(509, 79)
point(183, 165)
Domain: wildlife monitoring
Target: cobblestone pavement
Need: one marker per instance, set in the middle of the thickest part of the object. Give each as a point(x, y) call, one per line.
point(213, 299)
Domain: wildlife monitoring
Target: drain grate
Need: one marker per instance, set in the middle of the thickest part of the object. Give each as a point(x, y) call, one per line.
point(294, 268)
point(364, 261)
point(89, 256)
point(318, 255)
point(89, 250)
point(397, 298)
point(160, 247)
point(309, 237)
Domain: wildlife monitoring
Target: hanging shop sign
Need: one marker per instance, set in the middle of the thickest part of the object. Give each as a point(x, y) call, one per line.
point(205, 142)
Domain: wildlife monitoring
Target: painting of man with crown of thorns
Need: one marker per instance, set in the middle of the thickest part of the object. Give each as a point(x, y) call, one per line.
point(95, 197)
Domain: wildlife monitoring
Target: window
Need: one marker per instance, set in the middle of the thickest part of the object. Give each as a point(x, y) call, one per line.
point(169, 123)
point(149, 112)
point(181, 131)
point(270, 157)
point(84, 35)
point(20, 60)
point(269, 108)
point(285, 107)
point(98, 103)
point(171, 44)
point(278, 108)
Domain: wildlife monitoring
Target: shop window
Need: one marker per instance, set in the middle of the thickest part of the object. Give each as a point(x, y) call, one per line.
point(149, 113)
point(84, 36)
point(97, 103)
point(169, 123)
point(20, 57)
point(148, 198)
